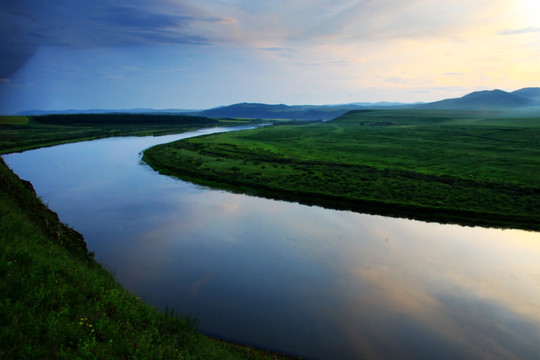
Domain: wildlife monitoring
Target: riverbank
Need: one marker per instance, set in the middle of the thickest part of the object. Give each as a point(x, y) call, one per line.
point(443, 166)
point(57, 302)
point(20, 133)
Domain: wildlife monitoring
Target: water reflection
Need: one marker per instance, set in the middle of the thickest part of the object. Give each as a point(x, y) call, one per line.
point(321, 283)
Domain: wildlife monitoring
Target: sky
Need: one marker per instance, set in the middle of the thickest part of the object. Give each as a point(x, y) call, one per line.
point(198, 54)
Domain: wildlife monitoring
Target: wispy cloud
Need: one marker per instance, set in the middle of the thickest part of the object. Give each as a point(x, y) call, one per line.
point(526, 30)
point(221, 20)
point(26, 25)
point(346, 21)
point(276, 49)
point(103, 23)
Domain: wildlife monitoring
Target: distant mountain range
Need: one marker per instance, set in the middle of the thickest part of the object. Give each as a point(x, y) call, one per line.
point(281, 111)
point(527, 98)
point(489, 99)
point(524, 99)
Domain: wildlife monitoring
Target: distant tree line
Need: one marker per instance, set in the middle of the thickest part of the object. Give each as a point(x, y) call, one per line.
point(121, 119)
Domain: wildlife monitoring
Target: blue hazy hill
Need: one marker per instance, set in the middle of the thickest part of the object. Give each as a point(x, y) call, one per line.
point(489, 99)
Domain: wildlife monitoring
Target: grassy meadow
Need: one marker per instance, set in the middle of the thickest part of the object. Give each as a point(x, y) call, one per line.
point(464, 167)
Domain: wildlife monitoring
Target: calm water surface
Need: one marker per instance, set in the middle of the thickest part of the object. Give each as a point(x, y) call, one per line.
point(319, 283)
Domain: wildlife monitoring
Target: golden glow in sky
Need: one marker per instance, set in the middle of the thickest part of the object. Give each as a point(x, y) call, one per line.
point(528, 12)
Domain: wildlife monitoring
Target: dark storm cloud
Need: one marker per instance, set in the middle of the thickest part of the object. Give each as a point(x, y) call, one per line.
point(17, 46)
point(27, 24)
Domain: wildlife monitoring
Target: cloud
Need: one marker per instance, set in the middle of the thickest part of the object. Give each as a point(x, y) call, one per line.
point(276, 49)
point(221, 20)
point(100, 23)
point(526, 30)
point(16, 49)
point(27, 24)
point(137, 18)
point(349, 46)
point(347, 21)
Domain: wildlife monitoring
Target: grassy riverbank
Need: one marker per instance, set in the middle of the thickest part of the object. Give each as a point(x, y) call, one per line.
point(18, 133)
point(56, 302)
point(446, 166)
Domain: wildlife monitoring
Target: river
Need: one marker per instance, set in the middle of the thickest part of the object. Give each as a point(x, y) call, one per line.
point(309, 281)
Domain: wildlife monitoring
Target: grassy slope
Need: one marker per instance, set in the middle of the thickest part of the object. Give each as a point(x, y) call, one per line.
point(56, 302)
point(435, 165)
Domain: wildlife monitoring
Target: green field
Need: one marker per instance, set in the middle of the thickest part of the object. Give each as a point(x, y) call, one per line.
point(448, 166)
point(18, 133)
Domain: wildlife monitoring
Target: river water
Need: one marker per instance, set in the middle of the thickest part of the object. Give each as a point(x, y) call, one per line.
point(309, 281)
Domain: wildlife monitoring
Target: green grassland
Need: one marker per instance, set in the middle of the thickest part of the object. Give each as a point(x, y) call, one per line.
point(18, 133)
point(56, 301)
point(462, 167)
